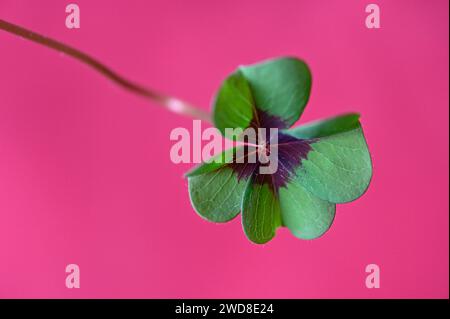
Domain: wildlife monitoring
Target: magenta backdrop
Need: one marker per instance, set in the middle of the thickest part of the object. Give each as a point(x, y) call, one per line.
point(86, 177)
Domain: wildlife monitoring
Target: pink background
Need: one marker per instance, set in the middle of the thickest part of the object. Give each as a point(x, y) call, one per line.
point(86, 177)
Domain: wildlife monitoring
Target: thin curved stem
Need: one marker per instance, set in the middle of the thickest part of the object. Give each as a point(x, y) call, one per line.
point(171, 103)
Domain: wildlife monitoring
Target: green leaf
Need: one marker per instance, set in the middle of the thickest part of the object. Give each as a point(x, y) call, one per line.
point(306, 216)
point(279, 87)
point(214, 188)
point(216, 195)
point(327, 127)
point(338, 169)
point(260, 213)
point(214, 163)
point(233, 106)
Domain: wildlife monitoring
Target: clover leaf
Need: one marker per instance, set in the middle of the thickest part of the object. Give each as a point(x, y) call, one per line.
point(320, 164)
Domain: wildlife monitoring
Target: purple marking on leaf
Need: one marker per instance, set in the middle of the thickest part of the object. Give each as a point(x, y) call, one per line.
point(262, 119)
point(291, 152)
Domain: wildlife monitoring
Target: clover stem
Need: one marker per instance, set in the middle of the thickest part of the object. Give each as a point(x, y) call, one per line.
point(173, 104)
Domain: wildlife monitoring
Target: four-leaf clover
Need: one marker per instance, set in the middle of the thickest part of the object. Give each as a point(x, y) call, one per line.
point(319, 164)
